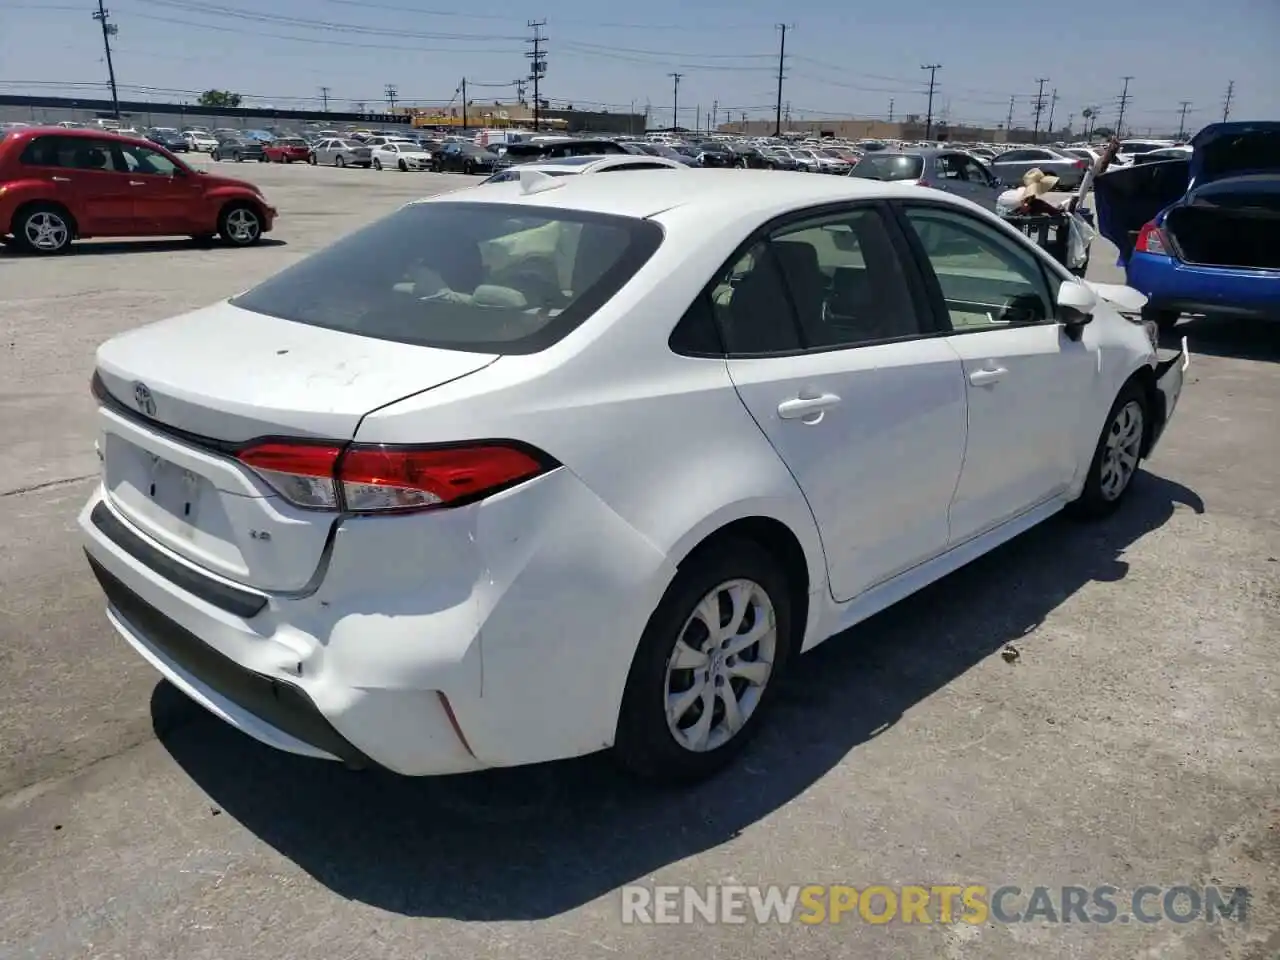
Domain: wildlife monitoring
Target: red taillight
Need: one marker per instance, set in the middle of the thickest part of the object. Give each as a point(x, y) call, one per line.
point(1151, 240)
point(922, 182)
point(371, 479)
point(1080, 165)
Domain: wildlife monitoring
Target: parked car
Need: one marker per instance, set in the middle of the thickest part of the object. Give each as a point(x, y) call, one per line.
point(713, 153)
point(952, 171)
point(238, 148)
point(1164, 153)
point(572, 166)
point(287, 150)
point(199, 142)
point(467, 158)
point(1087, 154)
point(401, 155)
point(1198, 235)
point(439, 457)
point(169, 138)
point(549, 149)
point(1011, 165)
point(1130, 150)
point(57, 186)
point(341, 153)
point(777, 158)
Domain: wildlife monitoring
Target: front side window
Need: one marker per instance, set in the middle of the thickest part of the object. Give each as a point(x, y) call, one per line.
point(975, 172)
point(482, 277)
point(143, 160)
point(889, 167)
point(988, 280)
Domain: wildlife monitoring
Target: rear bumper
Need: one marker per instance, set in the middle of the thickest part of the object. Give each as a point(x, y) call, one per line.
point(496, 634)
point(1172, 285)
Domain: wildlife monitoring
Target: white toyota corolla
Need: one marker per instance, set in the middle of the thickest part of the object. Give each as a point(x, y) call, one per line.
point(544, 467)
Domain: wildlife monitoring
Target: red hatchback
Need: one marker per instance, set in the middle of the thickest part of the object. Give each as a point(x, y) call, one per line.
point(58, 185)
point(287, 150)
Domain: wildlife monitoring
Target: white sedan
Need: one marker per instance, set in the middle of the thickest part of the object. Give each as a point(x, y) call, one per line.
point(574, 166)
point(199, 142)
point(526, 471)
point(400, 155)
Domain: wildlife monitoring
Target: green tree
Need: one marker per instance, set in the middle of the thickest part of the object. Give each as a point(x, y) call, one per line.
point(219, 98)
point(1104, 132)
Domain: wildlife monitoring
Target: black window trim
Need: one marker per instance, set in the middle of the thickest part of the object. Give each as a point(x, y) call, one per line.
point(1048, 266)
point(911, 275)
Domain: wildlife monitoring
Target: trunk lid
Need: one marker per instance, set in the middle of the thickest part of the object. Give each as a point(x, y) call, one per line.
point(184, 393)
point(1234, 149)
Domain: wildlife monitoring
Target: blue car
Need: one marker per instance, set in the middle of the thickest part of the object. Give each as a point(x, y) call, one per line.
point(1201, 235)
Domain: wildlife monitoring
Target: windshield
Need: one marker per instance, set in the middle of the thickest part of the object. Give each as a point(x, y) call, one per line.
point(481, 277)
point(895, 166)
point(514, 174)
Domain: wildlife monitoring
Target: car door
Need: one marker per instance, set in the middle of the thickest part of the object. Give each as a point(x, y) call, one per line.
point(980, 184)
point(833, 349)
point(166, 197)
point(1026, 380)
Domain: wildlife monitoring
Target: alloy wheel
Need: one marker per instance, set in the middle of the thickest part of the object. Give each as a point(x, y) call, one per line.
point(722, 661)
point(243, 225)
point(1122, 450)
point(46, 231)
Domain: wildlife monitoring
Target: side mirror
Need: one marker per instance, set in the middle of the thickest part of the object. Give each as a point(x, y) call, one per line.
point(1076, 303)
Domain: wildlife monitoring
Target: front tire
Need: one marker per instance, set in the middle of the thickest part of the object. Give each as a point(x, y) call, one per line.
point(1116, 457)
point(240, 225)
point(339, 162)
point(469, 168)
point(404, 167)
point(45, 229)
point(708, 664)
point(235, 156)
point(377, 164)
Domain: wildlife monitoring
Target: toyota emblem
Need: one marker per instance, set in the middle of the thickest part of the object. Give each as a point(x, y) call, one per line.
point(143, 398)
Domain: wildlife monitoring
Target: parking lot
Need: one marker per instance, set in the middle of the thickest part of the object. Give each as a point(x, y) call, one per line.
point(1086, 706)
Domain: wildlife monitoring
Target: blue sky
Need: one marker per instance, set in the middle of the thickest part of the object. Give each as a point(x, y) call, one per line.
point(843, 59)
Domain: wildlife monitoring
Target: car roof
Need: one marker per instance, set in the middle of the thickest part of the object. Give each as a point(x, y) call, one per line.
point(30, 133)
point(650, 192)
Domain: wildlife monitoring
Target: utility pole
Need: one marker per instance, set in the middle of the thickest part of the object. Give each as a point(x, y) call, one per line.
point(463, 87)
point(933, 69)
point(1226, 104)
point(715, 115)
point(520, 82)
point(1182, 120)
point(1124, 102)
point(109, 30)
point(1008, 124)
point(324, 95)
point(782, 62)
point(538, 67)
point(675, 100)
point(1053, 105)
point(697, 119)
point(1035, 135)
point(891, 109)
point(391, 96)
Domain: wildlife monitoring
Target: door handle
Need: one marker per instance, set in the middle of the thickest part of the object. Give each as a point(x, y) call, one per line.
point(61, 179)
point(137, 183)
point(800, 407)
point(985, 378)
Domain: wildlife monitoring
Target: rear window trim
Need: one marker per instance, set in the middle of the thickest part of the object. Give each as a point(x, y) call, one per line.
point(647, 235)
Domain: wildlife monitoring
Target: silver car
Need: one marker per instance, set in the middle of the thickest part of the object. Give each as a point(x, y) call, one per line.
point(953, 171)
point(1012, 164)
point(341, 153)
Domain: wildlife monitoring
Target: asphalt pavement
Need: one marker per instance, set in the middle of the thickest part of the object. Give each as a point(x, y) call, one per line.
point(1088, 705)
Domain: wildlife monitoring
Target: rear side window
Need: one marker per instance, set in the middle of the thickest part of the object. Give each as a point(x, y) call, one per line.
point(481, 277)
point(889, 167)
point(74, 153)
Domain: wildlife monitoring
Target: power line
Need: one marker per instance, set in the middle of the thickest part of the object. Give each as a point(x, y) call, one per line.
point(1226, 103)
point(933, 69)
point(782, 62)
point(1124, 102)
point(537, 67)
point(109, 30)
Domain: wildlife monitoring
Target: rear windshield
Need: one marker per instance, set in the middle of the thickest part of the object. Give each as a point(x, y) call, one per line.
point(889, 167)
point(480, 277)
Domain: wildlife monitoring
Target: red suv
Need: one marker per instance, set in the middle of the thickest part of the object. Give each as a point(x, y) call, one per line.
point(287, 150)
point(57, 185)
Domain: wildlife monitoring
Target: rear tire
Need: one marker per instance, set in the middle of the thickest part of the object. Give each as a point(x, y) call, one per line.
point(240, 224)
point(469, 168)
point(339, 162)
point(377, 164)
point(669, 731)
point(44, 229)
point(1116, 457)
point(404, 167)
point(235, 156)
